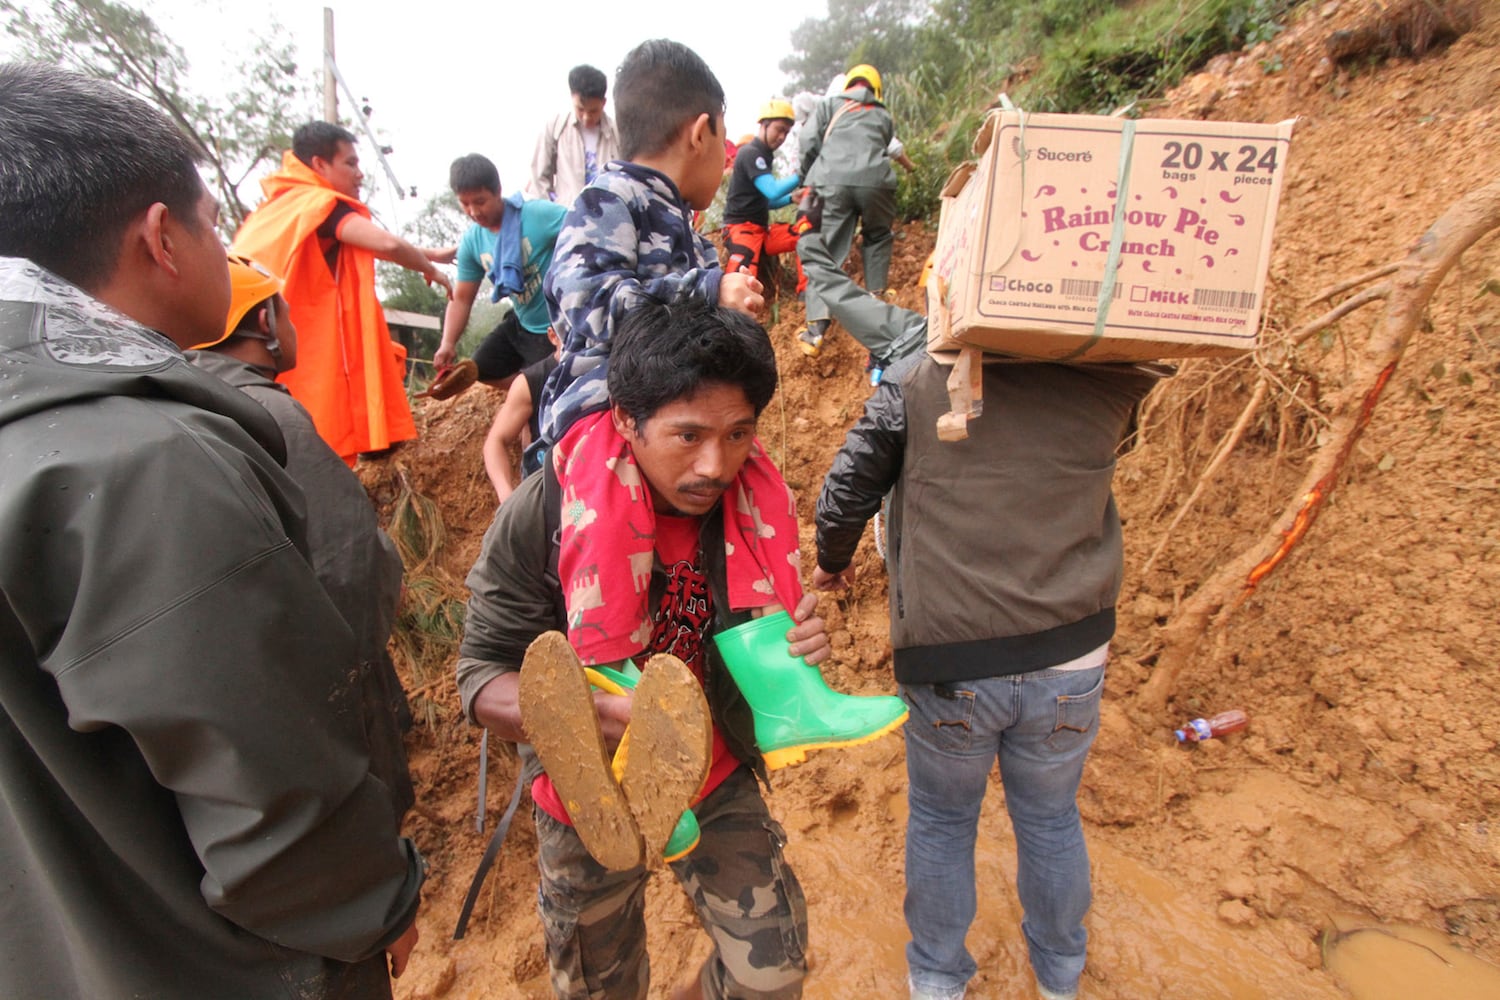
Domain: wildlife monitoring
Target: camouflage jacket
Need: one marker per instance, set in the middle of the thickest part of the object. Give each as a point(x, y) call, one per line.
point(628, 236)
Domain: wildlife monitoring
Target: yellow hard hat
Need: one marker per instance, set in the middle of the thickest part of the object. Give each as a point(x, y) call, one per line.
point(866, 72)
point(250, 284)
point(776, 108)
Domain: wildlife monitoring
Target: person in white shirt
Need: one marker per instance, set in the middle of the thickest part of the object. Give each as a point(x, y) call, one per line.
point(575, 145)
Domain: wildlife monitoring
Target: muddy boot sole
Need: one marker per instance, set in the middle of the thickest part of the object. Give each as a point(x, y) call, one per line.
point(557, 708)
point(671, 743)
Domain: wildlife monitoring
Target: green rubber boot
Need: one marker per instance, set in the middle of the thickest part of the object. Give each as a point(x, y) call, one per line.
point(795, 711)
point(684, 837)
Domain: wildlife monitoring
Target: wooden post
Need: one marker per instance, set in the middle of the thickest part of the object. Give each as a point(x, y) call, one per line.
point(330, 87)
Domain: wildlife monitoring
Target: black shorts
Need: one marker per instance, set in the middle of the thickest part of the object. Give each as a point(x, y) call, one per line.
point(508, 348)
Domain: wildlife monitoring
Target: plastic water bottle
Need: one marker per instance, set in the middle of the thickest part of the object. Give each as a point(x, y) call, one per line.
point(1231, 721)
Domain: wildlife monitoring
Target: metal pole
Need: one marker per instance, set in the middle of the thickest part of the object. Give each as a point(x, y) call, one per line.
point(363, 121)
point(330, 86)
point(484, 775)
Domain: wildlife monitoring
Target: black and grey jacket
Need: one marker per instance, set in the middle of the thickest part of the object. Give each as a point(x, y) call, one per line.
point(1005, 552)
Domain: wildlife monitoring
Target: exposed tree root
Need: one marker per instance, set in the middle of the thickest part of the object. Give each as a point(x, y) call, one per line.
point(1407, 295)
point(1226, 447)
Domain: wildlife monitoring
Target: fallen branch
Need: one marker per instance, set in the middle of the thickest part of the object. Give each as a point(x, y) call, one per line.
point(1298, 336)
point(1355, 282)
point(1417, 278)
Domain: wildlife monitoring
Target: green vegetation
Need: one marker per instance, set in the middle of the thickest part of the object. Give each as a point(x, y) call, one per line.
point(1073, 56)
point(238, 133)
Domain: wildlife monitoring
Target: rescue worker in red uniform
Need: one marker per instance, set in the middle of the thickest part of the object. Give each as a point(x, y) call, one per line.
point(749, 233)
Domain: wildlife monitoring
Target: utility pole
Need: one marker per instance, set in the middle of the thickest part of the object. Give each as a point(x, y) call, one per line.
point(332, 80)
point(330, 86)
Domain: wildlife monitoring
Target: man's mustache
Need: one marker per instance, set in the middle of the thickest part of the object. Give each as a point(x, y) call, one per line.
point(704, 485)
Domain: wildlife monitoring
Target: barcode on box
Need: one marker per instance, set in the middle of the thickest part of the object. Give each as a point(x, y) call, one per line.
point(1217, 299)
point(1074, 288)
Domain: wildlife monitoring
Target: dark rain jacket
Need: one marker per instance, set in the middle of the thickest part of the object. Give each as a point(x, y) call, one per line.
point(187, 805)
point(1004, 550)
point(355, 561)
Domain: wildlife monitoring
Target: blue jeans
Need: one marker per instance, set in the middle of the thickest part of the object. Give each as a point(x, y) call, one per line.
point(1040, 725)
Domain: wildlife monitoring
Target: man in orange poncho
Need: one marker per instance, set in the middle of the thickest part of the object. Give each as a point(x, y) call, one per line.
point(313, 230)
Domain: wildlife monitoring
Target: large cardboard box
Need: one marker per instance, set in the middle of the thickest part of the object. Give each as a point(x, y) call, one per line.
point(1167, 222)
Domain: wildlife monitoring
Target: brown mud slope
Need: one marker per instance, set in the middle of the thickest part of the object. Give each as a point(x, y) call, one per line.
point(1367, 787)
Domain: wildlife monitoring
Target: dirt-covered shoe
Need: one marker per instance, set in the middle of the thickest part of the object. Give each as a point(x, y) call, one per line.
point(810, 337)
point(671, 745)
point(453, 380)
point(557, 708)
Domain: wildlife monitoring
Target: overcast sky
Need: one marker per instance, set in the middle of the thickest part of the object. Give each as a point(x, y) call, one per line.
point(446, 77)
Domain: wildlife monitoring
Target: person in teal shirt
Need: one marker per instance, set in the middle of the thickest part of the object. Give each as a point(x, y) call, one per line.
point(510, 243)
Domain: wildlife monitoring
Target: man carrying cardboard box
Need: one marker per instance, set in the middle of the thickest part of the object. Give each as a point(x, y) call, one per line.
point(1002, 610)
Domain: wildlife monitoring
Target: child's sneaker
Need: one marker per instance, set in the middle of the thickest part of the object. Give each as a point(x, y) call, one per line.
point(810, 337)
point(809, 216)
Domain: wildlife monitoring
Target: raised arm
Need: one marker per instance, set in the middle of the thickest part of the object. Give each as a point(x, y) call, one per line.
point(358, 231)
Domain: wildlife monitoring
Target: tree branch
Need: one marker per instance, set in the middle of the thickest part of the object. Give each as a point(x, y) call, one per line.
point(1412, 288)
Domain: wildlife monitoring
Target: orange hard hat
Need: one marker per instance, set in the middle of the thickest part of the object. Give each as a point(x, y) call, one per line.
point(250, 284)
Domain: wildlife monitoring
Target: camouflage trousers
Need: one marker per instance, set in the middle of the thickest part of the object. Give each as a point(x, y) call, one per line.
point(745, 894)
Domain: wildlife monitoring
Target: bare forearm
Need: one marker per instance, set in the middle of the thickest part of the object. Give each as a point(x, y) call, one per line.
point(358, 231)
point(410, 257)
point(456, 320)
point(505, 434)
point(498, 464)
point(498, 708)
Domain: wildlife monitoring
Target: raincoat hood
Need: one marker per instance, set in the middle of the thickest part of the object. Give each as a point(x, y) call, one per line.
point(59, 345)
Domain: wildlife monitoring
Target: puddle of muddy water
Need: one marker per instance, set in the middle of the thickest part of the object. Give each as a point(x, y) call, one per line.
point(1148, 938)
point(1395, 962)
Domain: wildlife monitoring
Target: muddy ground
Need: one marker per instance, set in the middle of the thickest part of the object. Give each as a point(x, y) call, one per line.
point(1366, 789)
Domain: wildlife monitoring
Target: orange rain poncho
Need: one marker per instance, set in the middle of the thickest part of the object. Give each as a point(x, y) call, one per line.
point(349, 372)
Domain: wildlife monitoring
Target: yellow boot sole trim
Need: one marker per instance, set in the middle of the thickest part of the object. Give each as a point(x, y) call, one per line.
point(669, 858)
point(787, 756)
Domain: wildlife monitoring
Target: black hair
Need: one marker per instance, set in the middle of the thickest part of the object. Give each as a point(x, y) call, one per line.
point(660, 87)
point(587, 82)
point(473, 173)
point(319, 139)
point(80, 159)
point(662, 353)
